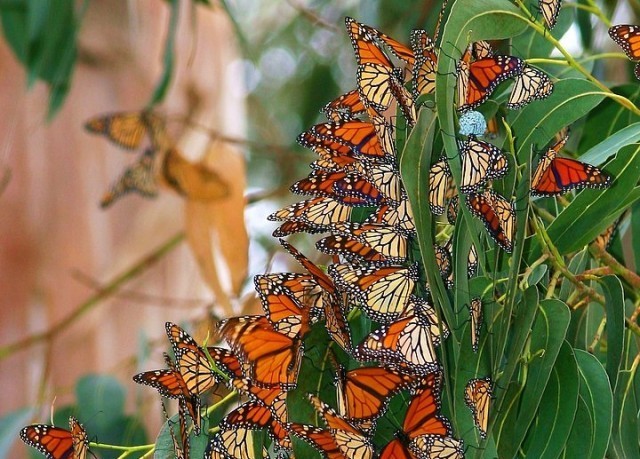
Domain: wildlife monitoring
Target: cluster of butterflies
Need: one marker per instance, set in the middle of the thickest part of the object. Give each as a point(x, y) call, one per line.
point(374, 271)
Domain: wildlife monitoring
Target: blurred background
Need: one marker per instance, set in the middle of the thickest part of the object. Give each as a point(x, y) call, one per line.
point(86, 290)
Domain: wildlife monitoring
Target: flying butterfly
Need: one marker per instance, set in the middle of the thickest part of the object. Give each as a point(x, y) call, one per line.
point(550, 10)
point(409, 341)
point(477, 396)
point(555, 176)
point(531, 84)
point(127, 129)
point(379, 81)
point(481, 162)
point(628, 38)
point(352, 249)
point(382, 291)
point(139, 177)
point(56, 442)
point(497, 214)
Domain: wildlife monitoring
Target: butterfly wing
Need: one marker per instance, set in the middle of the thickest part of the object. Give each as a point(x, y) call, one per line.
point(57, 443)
point(484, 75)
point(530, 85)
point(477, 396)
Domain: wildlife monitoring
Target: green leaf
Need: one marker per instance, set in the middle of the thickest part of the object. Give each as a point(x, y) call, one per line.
point(162, 87)
point(415, 161)
point(531, 44)
point(624, 432)
point(547, 336)
point(614, 306)
point(554, 419)
point(164, 442)
point(599, 153)
point(100, 394)
point(537, 123)
point(610, 117)
point(595, 393)
point(635, 232)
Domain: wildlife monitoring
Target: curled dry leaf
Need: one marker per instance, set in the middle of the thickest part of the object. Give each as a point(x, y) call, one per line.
point(195, 181)
point(216, 231)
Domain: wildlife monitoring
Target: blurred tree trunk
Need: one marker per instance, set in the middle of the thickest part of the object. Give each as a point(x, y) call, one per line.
point(51, 222)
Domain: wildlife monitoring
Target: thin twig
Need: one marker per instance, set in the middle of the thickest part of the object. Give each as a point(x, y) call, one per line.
point(313, 17)
point(110, 288)
point(154, 300)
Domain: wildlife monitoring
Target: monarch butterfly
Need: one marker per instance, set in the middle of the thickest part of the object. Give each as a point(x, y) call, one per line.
point(385, 135)
point(399, 50)
point(320, 439)
point(409, 341)
point(531, 84)
point(379, 81)
point(195, 180)
point(628, 38)
point(421, 425)
point(336, 323)
point(127, 129)
point(395, 214)
point(477, 396)
point(555, 176)
point(472, 262)
point(604, 239)
point(319, 211)
point(481, 49)
point(57, 443)
point(352, 249)
point(363, 393)
point(348, 188)
point(350, 440)
point(272, 357)
point(302, 288)
point(477, 80)
point(139, 177)
point(253, 415)
point(386, 179)
point(497, 214)
point(381, 291)
point(358, 135)
point(287, 315)
point(550, 10)
point(475, 312)
point(386, 240)
point(424, 70)
point(445, 266)
point(191, 360)
point(345, 107)
point(452, 210)
point(481, 161)
point(329, 150)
